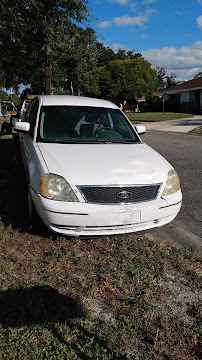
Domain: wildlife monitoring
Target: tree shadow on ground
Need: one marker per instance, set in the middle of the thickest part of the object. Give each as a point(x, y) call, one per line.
point(13, 191)
point(5, 128)
point(37, 305)
point(43, 305)
point(185, 122)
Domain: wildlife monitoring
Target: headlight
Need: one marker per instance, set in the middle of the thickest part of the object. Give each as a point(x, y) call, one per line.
point(172, 183)
point(55, 187)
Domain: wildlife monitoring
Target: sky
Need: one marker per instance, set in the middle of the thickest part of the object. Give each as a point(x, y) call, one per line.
point(168, 33)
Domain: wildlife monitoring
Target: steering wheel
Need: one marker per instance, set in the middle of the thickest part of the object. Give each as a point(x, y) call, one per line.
point(98, 131)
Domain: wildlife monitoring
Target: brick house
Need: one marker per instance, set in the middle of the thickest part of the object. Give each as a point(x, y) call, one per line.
point(188, 94)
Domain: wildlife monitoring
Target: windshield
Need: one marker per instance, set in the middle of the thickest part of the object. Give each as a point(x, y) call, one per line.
point(79, 124)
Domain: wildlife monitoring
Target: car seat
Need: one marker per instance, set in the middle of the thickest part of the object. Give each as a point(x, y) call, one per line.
point(88, 128)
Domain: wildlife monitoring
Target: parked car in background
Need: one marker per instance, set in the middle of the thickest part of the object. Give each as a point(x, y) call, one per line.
point(88, 171)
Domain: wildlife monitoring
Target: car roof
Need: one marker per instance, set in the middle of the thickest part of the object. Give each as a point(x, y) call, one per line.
point(70, 100)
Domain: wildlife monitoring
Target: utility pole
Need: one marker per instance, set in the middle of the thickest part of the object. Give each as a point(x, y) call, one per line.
point(48, 68)
point(163, 107)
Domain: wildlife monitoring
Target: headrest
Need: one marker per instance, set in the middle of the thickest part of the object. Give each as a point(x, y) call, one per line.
point(91, 117)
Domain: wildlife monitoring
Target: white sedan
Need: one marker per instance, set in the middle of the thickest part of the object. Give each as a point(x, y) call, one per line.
point(89, 173)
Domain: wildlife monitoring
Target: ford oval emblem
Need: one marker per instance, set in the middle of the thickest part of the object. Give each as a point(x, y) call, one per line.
point(124, 194)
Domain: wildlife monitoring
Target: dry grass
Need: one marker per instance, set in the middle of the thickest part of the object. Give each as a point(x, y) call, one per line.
point(125, 297)
point(121, 297)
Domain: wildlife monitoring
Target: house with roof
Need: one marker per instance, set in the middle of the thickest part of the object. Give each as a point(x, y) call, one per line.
point(188, 94)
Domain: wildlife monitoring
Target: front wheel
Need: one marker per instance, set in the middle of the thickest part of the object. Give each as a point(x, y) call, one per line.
point(33, 216)
point(36, 226)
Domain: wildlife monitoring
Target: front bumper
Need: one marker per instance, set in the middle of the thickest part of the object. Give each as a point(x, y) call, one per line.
point(85, 219)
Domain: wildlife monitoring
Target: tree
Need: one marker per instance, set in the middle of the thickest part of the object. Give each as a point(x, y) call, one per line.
point(132, 55)
point(121, 80)
point(2, 79)
point(198, 76)
point(4, 96)
point(160, 77)
point(26, 25)
point(105, 55)
point(73, 58)
point(171, 80)
point(163, 80)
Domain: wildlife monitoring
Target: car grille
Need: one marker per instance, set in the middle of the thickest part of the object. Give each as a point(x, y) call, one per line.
point(117, 194)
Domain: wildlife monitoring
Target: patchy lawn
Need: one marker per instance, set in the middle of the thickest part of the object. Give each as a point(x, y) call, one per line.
point(123, 297)
point(111, 298)
point(155, 116)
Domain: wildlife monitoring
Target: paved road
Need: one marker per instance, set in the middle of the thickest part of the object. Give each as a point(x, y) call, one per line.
point(184, 152)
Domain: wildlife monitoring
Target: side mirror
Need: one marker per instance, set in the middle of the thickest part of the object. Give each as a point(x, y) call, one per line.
point(23, 127)
point(141, 129)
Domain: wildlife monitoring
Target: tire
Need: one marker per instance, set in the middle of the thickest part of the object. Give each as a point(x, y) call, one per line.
point(33, 216)
point(35, 224)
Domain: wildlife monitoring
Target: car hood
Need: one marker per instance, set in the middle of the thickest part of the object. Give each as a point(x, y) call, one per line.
point(105, 164)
